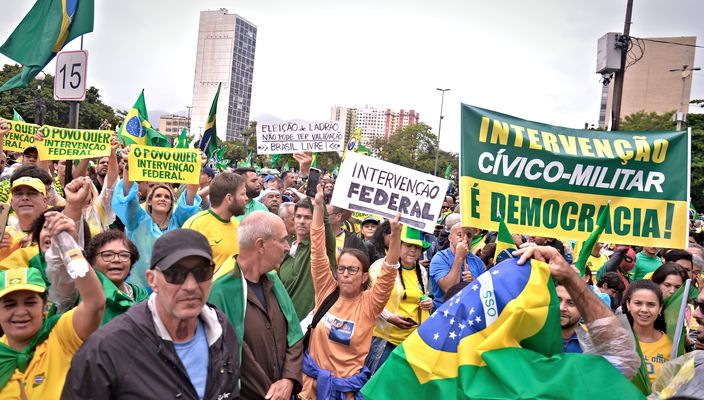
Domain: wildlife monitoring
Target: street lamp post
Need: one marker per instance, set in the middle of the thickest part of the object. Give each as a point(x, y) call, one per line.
point(39, 100)
point(437, 149)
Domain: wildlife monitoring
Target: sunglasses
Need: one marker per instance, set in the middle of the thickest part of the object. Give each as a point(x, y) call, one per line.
point(177, 274)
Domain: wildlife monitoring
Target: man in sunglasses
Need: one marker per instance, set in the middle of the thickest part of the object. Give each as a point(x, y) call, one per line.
point(172, 345)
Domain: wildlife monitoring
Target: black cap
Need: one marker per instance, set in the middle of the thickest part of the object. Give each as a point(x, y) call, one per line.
point(178, 244)
point(30, 149)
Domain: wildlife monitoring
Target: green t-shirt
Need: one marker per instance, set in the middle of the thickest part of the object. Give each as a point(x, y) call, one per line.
point(645, 264)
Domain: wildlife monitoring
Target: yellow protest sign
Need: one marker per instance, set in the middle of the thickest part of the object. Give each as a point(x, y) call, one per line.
point(20, 136)
point(164, 164)
point(66, 143)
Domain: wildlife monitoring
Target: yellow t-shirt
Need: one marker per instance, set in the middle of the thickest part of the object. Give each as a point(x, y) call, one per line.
point(407, 307)
point(656, 354)
point(45, 375)
point(17, 237)
point(221, 234)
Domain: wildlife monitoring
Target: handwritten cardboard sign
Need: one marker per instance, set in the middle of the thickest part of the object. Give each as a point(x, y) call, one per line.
point(291, 136)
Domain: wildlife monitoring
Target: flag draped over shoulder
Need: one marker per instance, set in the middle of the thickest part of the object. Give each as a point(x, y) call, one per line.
point(209, 141)
point(43, 32)
point(592, 239)
point(504, 243)
point(136, 128)
point(498, 338)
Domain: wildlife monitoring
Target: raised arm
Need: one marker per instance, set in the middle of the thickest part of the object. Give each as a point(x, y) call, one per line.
point(323, 280)
point(89, 313)
point(126, 182)
point(453, 276)
point(384, 283)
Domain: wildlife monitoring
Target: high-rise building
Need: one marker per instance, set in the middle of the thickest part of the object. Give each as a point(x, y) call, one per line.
point(375, 123)
point(225, 55)
point(649, 85)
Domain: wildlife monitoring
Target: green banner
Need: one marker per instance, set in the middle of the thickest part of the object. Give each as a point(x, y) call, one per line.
point(553, 181)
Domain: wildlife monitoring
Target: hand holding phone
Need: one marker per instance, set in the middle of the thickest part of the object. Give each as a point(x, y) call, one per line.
point(313, 180)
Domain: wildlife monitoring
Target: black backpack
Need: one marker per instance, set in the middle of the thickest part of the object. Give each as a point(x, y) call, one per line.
point(319, 313)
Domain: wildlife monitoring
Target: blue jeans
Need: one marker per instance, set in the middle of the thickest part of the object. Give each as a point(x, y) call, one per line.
point(378, 353)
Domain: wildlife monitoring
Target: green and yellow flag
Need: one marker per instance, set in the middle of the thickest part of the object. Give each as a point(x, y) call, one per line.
point(136, 128)
point(498, 338)
point(209, 141)
point(181, 141)
point(448, 171)
point(504, 243)
point(314, 164)
point(43, 32)
point(16, 116)
point(593, 238)
point(355, 144)
point(275, 160)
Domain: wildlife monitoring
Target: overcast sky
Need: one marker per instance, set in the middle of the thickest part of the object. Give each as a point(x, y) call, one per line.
point(532, 59)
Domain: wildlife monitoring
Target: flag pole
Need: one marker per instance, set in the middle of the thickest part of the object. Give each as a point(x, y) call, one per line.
point(680, 320)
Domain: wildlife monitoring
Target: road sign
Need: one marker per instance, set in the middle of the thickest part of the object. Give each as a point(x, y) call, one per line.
point(70, 78)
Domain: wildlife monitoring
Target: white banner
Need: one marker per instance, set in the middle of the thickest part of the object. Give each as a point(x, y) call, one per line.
point(373, 186)
point(288, 137)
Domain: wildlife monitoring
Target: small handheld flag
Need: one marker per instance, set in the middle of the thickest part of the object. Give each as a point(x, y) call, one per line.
point(209, 141)
point(592, 239)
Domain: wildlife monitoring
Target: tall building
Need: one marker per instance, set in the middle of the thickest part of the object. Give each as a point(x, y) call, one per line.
point(649, 85)
point(375, 123)
point(172, 125)
point(225, 55)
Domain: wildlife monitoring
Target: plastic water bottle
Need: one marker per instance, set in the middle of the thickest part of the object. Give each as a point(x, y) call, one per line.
point(72, 255)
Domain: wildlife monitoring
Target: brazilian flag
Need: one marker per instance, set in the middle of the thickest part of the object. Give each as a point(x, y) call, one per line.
point(592, 239)
point(43, 32)
point(504, 243)
point(498, 338)
point(136, 128)
point(181, 141)
point(209, 141)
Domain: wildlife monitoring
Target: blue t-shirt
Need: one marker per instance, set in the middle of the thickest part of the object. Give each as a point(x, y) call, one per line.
point(440, 266)
point(571, 345)
point(194, 356)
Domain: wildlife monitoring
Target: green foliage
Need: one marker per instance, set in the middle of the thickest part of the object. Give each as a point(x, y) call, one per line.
point(414, 147)
point(642, 121)
point(92, 110)
point(663, 122)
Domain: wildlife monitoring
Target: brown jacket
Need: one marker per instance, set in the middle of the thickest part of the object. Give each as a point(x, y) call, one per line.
point(266, 356)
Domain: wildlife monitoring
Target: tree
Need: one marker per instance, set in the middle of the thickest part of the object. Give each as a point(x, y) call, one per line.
point(642, 121)
point(414, 147)
point(92, 110)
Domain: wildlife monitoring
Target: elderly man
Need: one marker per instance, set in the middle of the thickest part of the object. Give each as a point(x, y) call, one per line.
point(452, 265)
point(256, 303)
point(271, 198)
point(172, 345)
point(286, 212)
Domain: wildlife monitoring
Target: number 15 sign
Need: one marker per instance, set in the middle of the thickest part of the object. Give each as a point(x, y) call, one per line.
point(70, 78)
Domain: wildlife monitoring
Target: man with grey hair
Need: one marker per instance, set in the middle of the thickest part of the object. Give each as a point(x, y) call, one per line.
point(258, 307)
point(286, 212)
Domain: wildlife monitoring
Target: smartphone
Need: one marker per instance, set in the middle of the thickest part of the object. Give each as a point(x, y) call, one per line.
point(313, 180)
point(410, 320)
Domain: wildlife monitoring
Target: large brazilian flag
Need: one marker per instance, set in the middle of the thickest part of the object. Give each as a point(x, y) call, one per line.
point(43, 32)
point(498, 338)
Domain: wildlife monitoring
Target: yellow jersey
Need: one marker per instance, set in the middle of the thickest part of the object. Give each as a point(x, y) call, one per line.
point(45, 375)
point(656, 354)
point(221, 234)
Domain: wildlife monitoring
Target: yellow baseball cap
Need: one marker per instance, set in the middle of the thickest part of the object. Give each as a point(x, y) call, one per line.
point(12, 280)
point(34, 183)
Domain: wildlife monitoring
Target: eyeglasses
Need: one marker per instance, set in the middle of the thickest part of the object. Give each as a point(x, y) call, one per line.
point(176, 274)
point(350, 270)
point(109, 255)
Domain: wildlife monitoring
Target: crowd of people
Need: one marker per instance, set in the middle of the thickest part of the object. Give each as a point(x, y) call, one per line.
point(241, 286)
